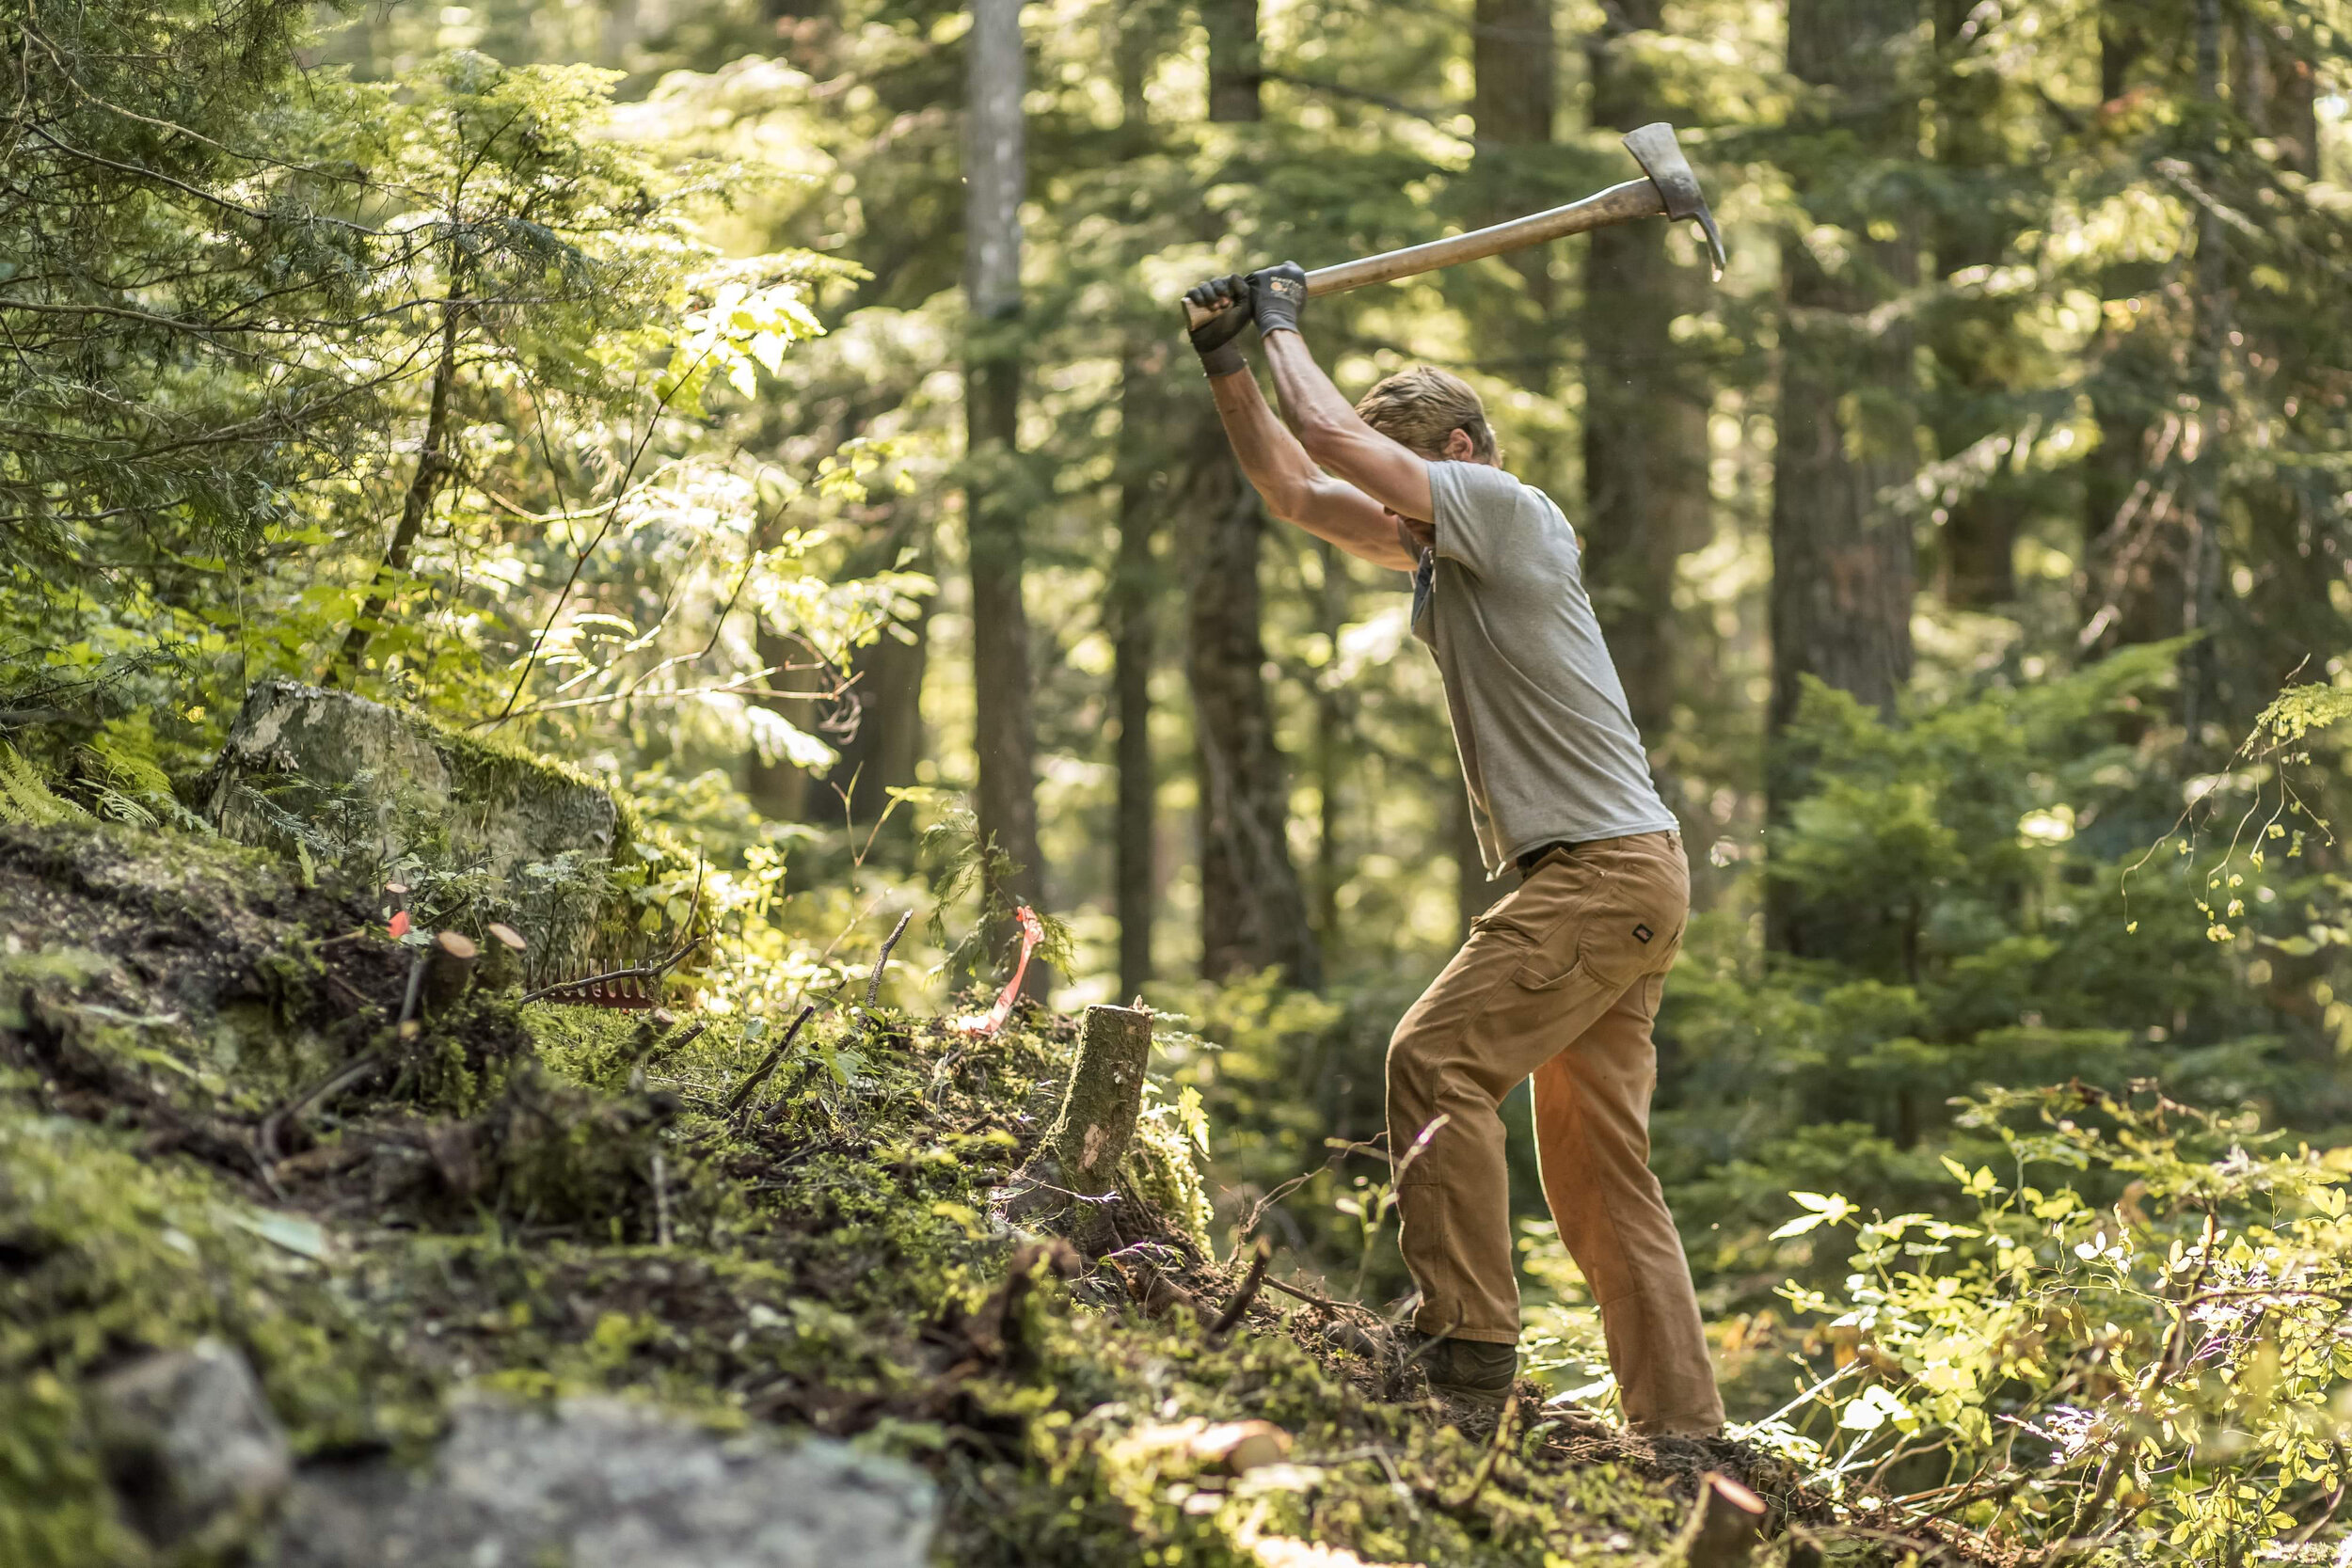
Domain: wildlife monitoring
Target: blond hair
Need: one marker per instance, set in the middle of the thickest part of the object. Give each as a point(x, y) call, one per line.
point(1419, 408)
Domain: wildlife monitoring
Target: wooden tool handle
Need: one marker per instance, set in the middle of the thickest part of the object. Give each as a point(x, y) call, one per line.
point(1635, 199)
point(1196, 318)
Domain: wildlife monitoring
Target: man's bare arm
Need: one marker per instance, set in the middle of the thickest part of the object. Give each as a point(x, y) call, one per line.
point(1294, 489)
point(1336, 436)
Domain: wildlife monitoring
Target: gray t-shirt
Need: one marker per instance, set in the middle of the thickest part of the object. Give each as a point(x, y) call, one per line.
point(1547, 747)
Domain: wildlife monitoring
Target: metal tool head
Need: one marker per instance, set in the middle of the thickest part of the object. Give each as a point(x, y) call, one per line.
point(1661, 157)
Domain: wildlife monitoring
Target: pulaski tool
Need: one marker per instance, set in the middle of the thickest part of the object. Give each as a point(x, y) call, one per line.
point(1667, 189)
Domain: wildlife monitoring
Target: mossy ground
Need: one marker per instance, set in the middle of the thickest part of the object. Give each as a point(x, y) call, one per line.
point(561, 1198)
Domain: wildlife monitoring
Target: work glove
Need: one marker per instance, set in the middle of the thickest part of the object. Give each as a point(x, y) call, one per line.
point(1217, 339)
point(1277, 294)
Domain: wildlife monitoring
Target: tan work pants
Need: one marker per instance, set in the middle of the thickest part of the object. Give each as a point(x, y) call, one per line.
point(1561, 981)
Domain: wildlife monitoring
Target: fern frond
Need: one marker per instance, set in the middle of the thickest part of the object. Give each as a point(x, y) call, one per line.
point(25, 798)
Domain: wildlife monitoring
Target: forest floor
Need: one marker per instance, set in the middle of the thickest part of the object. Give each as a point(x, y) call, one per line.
point(545, 1201)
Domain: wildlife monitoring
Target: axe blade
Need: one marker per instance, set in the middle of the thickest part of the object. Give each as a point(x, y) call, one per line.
point(1661, 157)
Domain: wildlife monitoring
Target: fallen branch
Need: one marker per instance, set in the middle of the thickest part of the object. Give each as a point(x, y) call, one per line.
point(1325, 1301)
point(336, 1082)
point(1249, 1292)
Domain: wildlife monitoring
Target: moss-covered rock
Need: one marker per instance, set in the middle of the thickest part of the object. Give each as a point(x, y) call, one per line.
point(314, 773)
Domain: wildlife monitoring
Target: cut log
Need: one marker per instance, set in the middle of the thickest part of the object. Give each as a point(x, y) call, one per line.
point(1724, 1526)
point(449, 969)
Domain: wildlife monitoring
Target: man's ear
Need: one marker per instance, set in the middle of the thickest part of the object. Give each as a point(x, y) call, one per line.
point(1459, 448)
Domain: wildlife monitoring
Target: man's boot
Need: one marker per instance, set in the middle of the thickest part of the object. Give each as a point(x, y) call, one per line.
point(1470, 1371)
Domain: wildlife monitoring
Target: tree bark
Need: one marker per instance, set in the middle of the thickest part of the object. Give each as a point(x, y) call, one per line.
point(1646, 443)
point(1843, 571)
point(2134, 535)
point(1236, 64)
point(1979, 526)
point(1003, 724)
point(778, 788)
point(885, 749)
point(1133, 589)
point(1844, 564)
point(1252, 912)
point(1135, 583)
point(1515, 91)
point(2201, 596)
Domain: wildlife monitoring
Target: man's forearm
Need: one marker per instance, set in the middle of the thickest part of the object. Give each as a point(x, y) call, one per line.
point(1296, 491)
point(1277, 465)
point(1335, 436)
point(1314, 406)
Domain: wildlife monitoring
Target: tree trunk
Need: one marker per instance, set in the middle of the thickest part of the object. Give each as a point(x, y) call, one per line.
point(1133, 589)
point(884, 749)
point(2295, 555)
point(1330, 748)
point(1004, 726)
point(1474, 895)
point(2134, 542)
point(1979, 526)
point(2202, 593)
point(1646, 452)
point(1843, 561)
point(1515, 90)
point(432, 466)
point(1236, 66)
point(777, 788)
point(1252, 912)
point(1135, 583)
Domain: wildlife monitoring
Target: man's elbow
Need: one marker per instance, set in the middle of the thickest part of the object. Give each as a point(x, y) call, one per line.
point(1325, 439)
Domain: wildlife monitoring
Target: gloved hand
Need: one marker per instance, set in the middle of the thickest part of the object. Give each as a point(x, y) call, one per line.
point(1217, 339)
point(1277, 294)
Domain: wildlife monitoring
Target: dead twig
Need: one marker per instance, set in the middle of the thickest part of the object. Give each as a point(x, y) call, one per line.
point(417, 967)
point(1493, 1456)
point(1325, 1301)
point(882, 960)
point(336, 1082)
point(760, 1074)
point(660, 1201)
point(1249, 1292)
point(1395, 1380)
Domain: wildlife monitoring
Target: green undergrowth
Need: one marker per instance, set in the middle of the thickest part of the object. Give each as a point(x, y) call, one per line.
point(693, 1209)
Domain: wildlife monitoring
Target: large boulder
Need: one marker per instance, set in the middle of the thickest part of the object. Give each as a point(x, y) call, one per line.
point(595, 1482)
point(326, 774)
point(190, 1445)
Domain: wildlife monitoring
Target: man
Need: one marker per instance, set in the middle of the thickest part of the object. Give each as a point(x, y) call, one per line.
point(1559, 981)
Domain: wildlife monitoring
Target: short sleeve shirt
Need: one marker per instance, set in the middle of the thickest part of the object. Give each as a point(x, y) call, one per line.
point(1549, 751)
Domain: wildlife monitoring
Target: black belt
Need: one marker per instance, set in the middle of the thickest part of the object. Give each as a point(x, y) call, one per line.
point(1527, 862)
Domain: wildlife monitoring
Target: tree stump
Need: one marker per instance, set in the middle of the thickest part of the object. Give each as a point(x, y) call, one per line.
point(1723, 1524)
point(449, 970)
point(1079, 1159)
